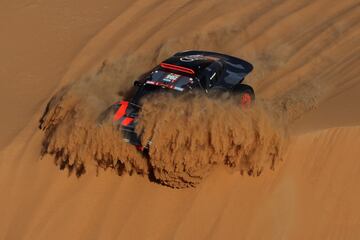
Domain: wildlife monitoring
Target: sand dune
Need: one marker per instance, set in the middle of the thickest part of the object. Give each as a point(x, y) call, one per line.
point(306, 56)
point(38, 42)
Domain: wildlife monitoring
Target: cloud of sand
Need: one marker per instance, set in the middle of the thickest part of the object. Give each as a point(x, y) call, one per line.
point(193, 133)
point(72, 132)
point(190, 134)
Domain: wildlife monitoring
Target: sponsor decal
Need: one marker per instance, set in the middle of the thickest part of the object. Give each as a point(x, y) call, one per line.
point(191, 58)
point(164, 85)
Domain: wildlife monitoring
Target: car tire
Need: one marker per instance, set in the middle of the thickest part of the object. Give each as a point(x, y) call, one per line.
point(246, 94)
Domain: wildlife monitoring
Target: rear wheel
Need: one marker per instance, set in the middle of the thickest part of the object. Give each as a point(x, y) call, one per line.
point(246, 93)
point(245, 99)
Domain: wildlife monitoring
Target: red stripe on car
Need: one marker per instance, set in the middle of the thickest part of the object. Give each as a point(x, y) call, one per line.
point(177, 68)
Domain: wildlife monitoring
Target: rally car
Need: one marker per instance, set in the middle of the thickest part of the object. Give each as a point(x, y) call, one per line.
point(183, 72)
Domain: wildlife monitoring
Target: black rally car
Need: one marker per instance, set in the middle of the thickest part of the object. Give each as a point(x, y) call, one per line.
point(184, 71)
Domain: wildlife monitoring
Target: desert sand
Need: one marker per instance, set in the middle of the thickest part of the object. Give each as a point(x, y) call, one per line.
point(306, 56)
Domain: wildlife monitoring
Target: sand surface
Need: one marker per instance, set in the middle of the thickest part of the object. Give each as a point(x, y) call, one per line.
point(306, 56)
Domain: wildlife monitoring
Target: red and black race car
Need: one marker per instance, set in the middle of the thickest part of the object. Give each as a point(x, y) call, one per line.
point(184, 71)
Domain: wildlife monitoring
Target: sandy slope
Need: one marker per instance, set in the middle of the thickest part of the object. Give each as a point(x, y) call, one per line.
point(312, 58)
point(38, 41)
point(342, 110)
point(313, 195)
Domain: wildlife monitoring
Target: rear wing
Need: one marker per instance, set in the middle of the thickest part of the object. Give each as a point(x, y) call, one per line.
point(236, 68)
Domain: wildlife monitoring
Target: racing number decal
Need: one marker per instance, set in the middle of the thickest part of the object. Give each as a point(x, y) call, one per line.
point(171, 77)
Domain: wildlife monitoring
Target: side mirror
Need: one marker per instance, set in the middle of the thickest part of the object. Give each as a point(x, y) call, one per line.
point(138, 83)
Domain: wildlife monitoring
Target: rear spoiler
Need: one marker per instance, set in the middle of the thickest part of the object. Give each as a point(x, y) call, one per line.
point(240, 63)
point(236, 68)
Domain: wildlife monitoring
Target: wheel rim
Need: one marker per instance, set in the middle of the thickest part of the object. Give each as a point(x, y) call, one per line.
point(245, 99)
